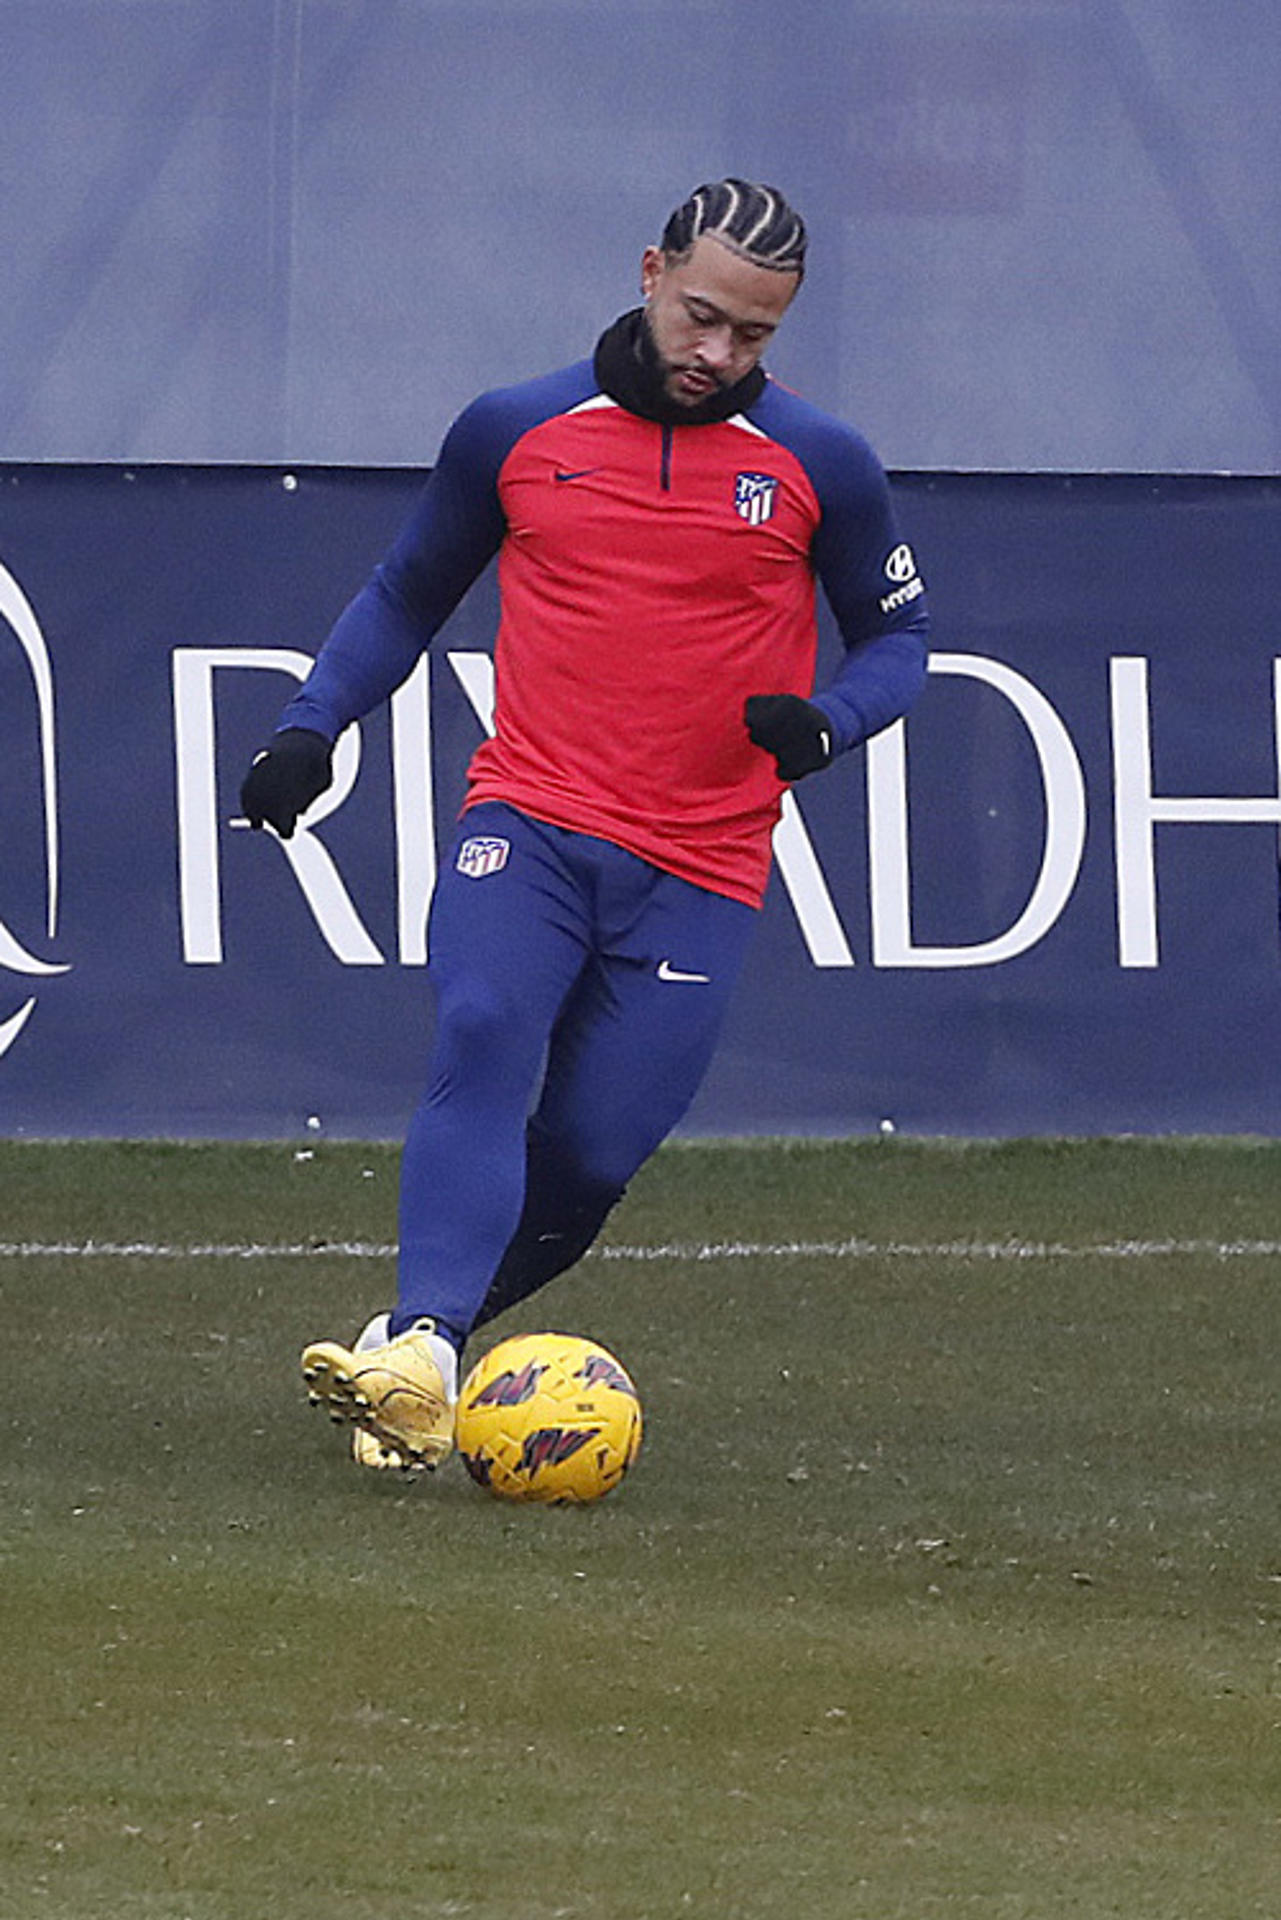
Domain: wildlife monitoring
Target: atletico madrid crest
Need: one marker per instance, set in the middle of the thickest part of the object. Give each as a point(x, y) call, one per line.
point(484, 853)
point(754, 496)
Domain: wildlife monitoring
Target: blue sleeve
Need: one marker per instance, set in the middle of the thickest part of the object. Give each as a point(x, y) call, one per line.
point(866, 569)
point(453, 532)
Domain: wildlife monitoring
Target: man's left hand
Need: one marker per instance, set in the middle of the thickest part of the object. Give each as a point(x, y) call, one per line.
point(795, 731)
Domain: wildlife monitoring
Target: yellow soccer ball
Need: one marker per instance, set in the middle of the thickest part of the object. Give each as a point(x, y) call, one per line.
point(548, 1417)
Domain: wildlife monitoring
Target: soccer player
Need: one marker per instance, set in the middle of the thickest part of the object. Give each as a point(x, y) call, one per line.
point(660, 513)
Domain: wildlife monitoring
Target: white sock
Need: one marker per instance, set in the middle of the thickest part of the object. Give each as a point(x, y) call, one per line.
point(445, 1355)
point(375, 1334)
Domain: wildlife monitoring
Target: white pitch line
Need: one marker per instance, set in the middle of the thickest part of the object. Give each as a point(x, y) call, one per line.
point(946, 1250)
point(201, 1250)
point(989, 1250)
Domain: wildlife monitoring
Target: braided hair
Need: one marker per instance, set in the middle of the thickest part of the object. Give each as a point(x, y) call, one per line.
point(754, 221)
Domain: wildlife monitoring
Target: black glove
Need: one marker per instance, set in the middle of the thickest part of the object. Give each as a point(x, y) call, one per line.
point(795, 731)
point(286, 777)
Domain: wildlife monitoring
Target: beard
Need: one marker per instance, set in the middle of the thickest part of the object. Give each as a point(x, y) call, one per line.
point(672, 375)
point(631, 369)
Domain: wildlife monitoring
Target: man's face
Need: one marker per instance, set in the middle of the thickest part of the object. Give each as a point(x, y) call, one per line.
point(711, 315)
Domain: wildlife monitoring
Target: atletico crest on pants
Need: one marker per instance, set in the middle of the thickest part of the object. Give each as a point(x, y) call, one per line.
point(481, 855)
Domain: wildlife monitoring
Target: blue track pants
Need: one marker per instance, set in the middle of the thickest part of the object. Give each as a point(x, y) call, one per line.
point(579, 995)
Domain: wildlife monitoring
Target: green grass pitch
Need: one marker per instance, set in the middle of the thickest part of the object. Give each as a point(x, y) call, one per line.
point(948, 1582)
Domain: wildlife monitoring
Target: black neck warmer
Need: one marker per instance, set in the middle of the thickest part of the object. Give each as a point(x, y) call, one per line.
point(628, 369)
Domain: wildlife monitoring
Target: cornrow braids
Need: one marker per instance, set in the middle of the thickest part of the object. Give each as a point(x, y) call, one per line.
point(755, 221)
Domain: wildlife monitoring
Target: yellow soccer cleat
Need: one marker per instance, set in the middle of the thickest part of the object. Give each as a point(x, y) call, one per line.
point(397, 1394)
point(368, 1452)
point(365, 1450)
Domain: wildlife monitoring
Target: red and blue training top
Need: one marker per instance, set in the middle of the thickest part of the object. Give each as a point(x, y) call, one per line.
point(651, 577)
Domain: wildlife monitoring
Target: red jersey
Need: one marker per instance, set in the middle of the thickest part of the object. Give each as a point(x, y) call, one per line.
point(651, 578)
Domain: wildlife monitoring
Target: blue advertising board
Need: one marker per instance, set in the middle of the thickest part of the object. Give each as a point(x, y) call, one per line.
point(1046, 903)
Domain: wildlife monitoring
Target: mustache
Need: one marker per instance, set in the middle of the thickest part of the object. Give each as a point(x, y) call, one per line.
point(696, 366)
point(647, 347)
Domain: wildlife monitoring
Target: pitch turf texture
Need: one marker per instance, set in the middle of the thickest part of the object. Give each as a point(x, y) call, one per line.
point(948, 1582)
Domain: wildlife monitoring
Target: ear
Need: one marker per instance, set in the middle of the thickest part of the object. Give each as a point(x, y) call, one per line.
point(653, 264)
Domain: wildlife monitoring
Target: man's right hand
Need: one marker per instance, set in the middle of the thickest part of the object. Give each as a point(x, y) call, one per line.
point(285, 778)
